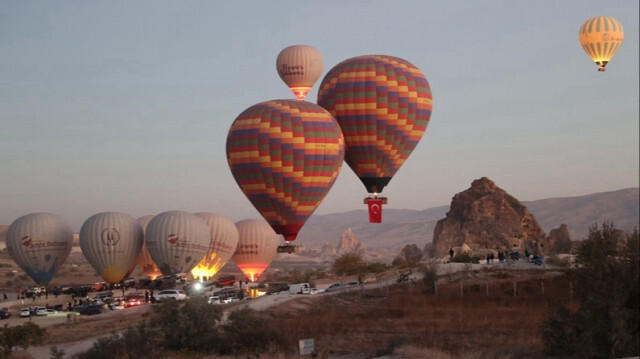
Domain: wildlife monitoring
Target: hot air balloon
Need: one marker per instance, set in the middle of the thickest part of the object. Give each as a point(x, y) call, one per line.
point(39, 243)
point(144, 260)
point(177, 241)
point(257, 247)
point(285, 155)
point(383, 105)
point(299, 66)
point(224, 240)
point(600, 37)
point(111, 242)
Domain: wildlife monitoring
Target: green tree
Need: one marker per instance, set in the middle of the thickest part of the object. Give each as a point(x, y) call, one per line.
point(21, 336)
point(607, 286)
point(349, 264)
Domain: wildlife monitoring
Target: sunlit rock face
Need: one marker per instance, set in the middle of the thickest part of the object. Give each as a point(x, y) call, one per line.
point(486, 218)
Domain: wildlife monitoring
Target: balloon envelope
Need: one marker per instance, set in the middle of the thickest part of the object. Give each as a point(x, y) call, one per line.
point(177, 241)
point(257, 247)
point(300, 66)
point(111, 242)
point(224, 240)
point(39, 243)
point(144, 260)
point(285, 155)
point(600, 37)
point(383, 105)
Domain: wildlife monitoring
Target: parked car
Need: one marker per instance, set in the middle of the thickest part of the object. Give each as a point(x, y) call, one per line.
point(214, 299)
point(51, 312)
point(5, 314)
point(175, 294)
point(41, 311)
point(91, 310)
point(134, 301)
point(25, 313)
point(334, 287)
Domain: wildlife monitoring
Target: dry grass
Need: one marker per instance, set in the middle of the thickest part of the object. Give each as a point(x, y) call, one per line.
point(498, 325)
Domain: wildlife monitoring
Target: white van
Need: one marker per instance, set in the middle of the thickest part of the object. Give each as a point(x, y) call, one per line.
point(300, 288)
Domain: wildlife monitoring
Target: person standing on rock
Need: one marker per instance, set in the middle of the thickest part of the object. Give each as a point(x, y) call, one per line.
point(451, 254)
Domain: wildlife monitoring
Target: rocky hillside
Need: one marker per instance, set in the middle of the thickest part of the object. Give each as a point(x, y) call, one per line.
point(578, 213)
point(485, 217)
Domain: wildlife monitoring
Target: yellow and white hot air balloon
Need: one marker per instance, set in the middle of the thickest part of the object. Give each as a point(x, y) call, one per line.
point(300, 66)
point(257, 247)
point(600, 37)
point(111, 242)
point(224, 240)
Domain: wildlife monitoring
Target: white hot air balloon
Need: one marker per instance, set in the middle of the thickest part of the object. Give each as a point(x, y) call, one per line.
point(300, 66)
point(39, 243)
point(224, 240)
point(177, 241)
point(111, 242)
point(257, 247)
point(144, 261)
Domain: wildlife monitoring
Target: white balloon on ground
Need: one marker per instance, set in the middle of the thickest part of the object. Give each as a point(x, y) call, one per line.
point(39, 243)
point(177, 241)
point(224, 240)
point(144, 260)
point(111, 242)
point(257, 247)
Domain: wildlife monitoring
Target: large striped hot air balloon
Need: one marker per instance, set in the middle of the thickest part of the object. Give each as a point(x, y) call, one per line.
point(285, 155)
point(600, 37)
point(300, 66)
point(39, 243)
point(257, 247)
point(111, 242)
point(383, 105)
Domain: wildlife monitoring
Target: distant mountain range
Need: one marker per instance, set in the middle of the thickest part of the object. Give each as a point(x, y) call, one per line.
point(405, 226)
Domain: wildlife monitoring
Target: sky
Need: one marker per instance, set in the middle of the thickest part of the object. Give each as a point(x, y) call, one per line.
point(125, 105)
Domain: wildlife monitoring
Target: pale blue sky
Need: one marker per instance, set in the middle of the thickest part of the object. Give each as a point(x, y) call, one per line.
point(125, 105)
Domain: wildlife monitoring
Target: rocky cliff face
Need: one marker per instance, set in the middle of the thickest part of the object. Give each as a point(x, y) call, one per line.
point(560, 240)
point(486, 218)
point(349, 243)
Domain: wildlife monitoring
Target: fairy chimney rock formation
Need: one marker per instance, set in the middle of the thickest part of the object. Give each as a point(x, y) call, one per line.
point(348, 243)
point(486, 218)
point(327, 251)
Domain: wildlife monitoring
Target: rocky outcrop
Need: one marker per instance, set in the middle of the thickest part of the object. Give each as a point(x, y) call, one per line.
point(559, 240)
point(327, 251)
point(410, 255)
point(349, 243)
point(486, 218)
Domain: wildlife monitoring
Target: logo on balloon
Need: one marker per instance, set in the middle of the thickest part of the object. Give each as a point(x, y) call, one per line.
point(605, 36)
point(26, 241)
point(110, 237)
point(172, 238)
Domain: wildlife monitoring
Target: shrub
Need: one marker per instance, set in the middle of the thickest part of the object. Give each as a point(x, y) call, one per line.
point(429, 277)
point(349, 264)
point(247, 333)
point(465, 257)
point(606, 324)
point(21, 336)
